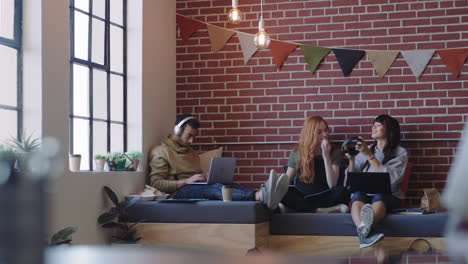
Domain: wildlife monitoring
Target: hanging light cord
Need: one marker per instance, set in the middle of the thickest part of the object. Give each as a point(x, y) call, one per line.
point(261, 9)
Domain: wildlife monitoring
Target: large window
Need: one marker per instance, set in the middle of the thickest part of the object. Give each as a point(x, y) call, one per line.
point(98, 114)
point(11, 99)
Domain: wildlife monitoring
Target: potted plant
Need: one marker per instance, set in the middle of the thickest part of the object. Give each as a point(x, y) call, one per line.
point(63, 236)
point(99, 161)
point(117, 161)
point(8, 156)
point(124, 231)
point(135, 157)
point(23, 146)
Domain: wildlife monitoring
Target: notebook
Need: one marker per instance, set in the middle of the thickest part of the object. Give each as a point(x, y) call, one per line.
point(221, 171)
point(369, 182)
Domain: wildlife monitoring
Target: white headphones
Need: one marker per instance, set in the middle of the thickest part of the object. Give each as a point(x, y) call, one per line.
point(177, 129)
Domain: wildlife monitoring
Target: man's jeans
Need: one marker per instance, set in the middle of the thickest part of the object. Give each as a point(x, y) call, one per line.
point(213, 192)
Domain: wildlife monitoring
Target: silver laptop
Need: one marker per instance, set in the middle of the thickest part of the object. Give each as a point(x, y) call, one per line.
point(221, 171)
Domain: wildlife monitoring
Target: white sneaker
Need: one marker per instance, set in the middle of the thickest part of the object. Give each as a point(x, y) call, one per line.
point(268, 188)
point(339, 208)
point(281, 188)
point(367, 219)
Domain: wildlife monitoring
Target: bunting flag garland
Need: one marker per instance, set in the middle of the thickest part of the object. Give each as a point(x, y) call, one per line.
point(281, 50)
point(454, 59)
point(219, 36)
point(382, 59)
point(347, 59)
point(247, 45)
point(188, 26)
point(314, 55)
point(417, 60)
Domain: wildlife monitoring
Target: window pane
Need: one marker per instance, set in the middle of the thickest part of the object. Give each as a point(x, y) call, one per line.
point(116, 138)
point(8, 87)
point(99, 138)
point(116, 98)
point(116, 49)
point(82, 4)
point(81, 141)
point(99, 8)
point(9, 124)
point(7, 21)
point(81, 35)
point(116, 11)
point(98, 41)
point(80, 90)
point(99, 94)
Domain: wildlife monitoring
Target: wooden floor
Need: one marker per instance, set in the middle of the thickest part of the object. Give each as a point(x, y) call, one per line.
point(239, 238)
point(344, 245)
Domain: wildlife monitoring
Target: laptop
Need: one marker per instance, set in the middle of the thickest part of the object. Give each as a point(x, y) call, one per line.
point(369, 182)
point(221, 171)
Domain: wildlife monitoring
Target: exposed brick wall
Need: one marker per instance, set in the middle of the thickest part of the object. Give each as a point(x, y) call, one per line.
point(257, 103)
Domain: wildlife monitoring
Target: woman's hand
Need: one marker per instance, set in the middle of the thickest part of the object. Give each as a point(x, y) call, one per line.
point(363, 148)
point(326, 148)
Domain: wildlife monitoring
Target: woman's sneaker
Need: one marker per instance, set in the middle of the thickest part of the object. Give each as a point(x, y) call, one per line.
point(367, 219)
point(281, 188)
point(339, 208)
point(370, 240)
point(268, 188)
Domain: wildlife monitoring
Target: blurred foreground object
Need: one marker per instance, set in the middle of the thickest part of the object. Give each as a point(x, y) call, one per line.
point(455, 199)
point(23, 205)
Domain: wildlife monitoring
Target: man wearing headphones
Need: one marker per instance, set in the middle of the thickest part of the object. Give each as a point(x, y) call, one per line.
point(174, 164)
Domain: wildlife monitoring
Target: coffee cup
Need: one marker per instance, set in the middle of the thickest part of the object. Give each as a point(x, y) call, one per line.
point(74, 162)
point(227, 193)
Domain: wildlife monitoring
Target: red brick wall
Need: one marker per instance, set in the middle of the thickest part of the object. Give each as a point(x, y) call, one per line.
point(255, 103)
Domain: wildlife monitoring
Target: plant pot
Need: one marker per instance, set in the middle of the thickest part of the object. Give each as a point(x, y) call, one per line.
point(99, 164)
point(22, 161)
point(136, 162)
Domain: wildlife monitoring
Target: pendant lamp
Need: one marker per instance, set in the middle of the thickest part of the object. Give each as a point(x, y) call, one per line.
point(261, 39)
point(235, 15)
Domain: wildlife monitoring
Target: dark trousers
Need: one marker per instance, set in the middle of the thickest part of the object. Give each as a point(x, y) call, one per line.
point(296, 200)
point(213, 192)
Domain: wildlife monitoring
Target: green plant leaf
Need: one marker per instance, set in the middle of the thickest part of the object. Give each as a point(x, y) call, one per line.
point(63, 236)
point(112, 196)
point(107, 217)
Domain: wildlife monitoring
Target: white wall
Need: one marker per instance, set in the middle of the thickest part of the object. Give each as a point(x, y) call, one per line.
point(76, 199)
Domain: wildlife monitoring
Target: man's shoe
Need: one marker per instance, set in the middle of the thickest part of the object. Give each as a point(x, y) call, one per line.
point(281, 188)
point(370, 240)
point(367, 219)
point(268, 188)
point(339, 208)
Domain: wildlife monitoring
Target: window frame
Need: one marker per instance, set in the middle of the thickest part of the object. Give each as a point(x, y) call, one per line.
point(106, 67)
point(16, 43)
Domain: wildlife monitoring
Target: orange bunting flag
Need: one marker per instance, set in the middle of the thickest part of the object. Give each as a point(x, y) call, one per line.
point(281, 50)
point(219, 36)
point(454, 59)
point(188, 26)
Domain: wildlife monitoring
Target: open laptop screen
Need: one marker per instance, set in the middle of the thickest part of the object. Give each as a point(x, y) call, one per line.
point(369, 182)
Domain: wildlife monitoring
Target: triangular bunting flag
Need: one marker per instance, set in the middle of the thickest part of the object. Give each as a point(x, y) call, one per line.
point(247, 45)
point(454, 59)
point(382, 59)
point(348, 59)
point(219, 36)
point(281, 50)
point(314, 55)
point(188, 26)
point(417, 60)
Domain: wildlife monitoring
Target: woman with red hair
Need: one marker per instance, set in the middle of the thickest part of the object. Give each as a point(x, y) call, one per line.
point(314, 169)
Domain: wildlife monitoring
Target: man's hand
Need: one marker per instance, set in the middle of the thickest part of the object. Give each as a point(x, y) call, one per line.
point(196, 178)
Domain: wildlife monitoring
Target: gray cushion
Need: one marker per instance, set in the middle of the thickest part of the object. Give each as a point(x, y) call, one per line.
point(428, 225)
point(236, 212)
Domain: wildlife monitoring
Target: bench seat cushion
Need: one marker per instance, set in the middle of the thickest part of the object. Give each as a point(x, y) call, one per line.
point(394, 225)
point(235, 212)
